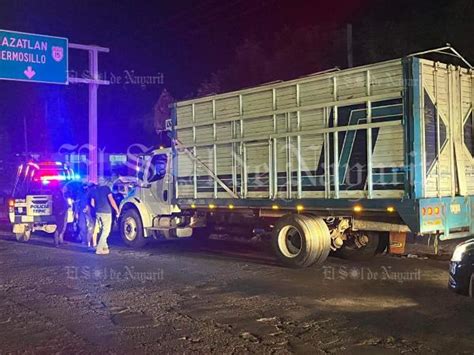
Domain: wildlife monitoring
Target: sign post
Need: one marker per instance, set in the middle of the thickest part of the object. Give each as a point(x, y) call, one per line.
point(33, 57)
point(44, 59)
point(93, 81)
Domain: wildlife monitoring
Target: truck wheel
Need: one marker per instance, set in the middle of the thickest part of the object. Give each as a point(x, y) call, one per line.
point(300, 240)
point(131, 229)
point(360, 247)
point(23, 237)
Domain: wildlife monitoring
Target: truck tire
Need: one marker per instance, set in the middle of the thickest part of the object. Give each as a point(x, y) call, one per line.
point(301, 241)
point(23, 237)
point(351, 251)
point(131, 229)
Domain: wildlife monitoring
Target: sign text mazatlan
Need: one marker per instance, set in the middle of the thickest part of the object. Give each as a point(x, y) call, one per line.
point(32, 57)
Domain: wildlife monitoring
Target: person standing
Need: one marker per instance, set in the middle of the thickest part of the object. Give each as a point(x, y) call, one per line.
point(85, 218)
point(60, 210)
point(102, 201)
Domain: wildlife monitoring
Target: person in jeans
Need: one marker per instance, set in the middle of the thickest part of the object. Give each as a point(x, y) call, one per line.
point(102, 202)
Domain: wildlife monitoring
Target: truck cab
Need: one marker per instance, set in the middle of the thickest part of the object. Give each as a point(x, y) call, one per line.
point(31, 205)
point(148, 210)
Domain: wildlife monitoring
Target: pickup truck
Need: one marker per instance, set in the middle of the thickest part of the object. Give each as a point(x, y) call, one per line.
point(31, 203)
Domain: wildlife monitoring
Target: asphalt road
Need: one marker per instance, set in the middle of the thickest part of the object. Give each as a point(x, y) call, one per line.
point(222, 297)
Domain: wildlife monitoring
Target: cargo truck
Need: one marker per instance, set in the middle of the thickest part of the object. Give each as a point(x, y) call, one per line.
point(339, 161)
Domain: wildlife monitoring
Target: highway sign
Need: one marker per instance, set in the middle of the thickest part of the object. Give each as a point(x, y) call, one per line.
point(33, 57)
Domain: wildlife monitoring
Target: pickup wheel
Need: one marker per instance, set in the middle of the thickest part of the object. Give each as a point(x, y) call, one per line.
point(131, 229)
point(23, 237)
point(360, 247)
point(301, 241)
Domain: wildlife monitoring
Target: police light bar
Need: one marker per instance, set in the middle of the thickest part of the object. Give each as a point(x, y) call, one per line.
point(53, 178)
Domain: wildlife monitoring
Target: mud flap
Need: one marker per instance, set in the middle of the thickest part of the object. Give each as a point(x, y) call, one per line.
point(397, 243)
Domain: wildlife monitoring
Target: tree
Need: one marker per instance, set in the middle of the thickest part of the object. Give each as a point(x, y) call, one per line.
point(247, 68)
point(210, 86)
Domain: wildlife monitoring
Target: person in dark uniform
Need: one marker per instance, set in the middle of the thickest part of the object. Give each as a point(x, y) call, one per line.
point(85, 218)
point(102, 201)
point(60, 209)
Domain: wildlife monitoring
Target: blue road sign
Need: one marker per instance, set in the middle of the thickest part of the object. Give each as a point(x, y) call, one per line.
point(32, 57)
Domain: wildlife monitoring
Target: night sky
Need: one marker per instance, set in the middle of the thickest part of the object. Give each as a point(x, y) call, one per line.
point(186, 41)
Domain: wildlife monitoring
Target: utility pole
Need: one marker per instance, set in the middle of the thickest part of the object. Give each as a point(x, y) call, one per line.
point(350, 59)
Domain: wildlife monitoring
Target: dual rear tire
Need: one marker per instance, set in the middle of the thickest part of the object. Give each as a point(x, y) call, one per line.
point(374, 243)
point(301, 240)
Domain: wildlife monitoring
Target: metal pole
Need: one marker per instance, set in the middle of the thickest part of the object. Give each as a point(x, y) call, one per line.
point(195, 181)
point(336, 141)
point(94, 72)
point(299, 187)
point(450, 131)
point(93, 82)
point(438, 135)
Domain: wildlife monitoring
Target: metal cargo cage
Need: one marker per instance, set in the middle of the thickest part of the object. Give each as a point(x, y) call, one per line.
point(392, 132)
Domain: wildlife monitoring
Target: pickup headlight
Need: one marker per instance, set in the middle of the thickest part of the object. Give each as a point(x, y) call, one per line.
point(461, 250)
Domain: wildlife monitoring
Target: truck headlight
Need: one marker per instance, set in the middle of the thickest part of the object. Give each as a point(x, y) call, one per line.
point(459, 252)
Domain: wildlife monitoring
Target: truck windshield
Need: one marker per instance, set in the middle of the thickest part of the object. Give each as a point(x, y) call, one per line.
point(152, 168)
point(158, 167)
